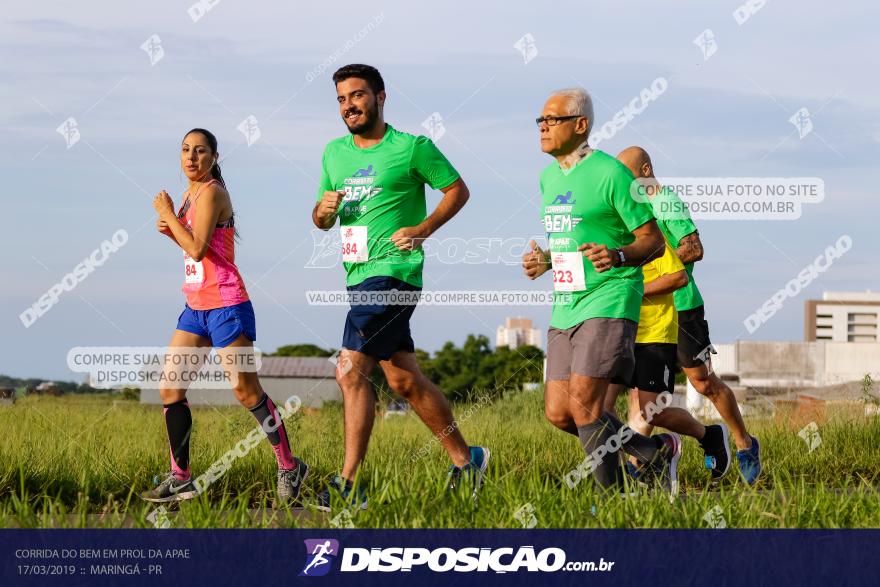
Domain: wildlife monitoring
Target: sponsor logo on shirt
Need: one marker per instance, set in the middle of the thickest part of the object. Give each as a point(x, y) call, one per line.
point(368, 172)
point(557, 214)
point(557, 243)
point(359, 188)
point(564, 199)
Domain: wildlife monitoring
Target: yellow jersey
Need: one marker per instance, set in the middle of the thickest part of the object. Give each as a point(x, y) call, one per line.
point(658, 319)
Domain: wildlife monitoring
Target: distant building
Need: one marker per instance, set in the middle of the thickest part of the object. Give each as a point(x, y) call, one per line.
point(843, 317)
point(517, 332)
point(795, 364)
point(47, 388)
point(312, 379)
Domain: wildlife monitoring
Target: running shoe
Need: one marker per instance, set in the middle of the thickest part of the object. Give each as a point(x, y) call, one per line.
point(170, 489)
point(356, 498)
point(290, 482)
point(472, 473)
point(750, 462)
point(716, 446)
point(664, 467)
point(635, 473)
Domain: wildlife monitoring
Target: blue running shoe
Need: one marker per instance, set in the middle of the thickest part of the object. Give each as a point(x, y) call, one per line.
point(636, 473)
point(750, 462)
point(632, 471)
point(354, 497)
point(473, 471)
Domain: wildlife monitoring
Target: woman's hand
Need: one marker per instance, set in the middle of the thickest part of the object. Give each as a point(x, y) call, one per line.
point(163, 204)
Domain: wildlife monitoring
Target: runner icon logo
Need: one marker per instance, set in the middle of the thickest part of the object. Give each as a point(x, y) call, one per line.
point(320, 553)
point(564, 199)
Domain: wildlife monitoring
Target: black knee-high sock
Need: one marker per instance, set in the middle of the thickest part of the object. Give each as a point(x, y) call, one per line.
point(606, 470)
point(642, 447)
point(267, 415)
point(178, 421)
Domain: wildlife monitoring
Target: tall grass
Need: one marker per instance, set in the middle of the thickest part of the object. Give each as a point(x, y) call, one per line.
point(79, 461)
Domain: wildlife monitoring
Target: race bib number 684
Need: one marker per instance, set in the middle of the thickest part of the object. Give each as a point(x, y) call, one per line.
point(193, 271)
point(354, 244)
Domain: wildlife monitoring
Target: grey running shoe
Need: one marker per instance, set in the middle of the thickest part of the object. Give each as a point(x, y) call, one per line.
point(290, 482)
point(170, 489)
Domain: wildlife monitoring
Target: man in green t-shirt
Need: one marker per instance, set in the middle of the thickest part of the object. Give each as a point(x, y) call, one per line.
point(598, 238)
point(694, 346)
point(373, 180)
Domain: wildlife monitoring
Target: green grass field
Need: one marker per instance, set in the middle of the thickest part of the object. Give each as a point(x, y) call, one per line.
point(64, 461)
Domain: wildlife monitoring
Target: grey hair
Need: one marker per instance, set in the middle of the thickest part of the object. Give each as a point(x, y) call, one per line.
point(579, 102)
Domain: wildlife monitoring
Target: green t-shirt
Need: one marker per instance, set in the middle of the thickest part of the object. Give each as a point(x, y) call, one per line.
point(591, 202)
point(385, 191)
point(675, 222)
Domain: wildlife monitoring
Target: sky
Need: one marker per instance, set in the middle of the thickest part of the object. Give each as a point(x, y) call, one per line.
point(486, 69)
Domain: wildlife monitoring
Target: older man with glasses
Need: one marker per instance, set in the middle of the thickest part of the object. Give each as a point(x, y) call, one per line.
point(599, 237)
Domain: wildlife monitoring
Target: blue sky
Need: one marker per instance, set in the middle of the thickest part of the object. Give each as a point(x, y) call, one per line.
point(725, 116)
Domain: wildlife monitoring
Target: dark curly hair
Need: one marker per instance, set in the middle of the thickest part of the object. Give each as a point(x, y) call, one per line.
point(367, 73)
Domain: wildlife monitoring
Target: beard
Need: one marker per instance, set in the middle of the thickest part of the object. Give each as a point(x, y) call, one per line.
point(369, 118)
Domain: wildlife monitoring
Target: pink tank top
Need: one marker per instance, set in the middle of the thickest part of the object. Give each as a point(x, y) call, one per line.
point(213, 282)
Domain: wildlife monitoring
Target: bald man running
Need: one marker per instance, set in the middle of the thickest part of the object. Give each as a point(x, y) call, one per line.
point(694, 346)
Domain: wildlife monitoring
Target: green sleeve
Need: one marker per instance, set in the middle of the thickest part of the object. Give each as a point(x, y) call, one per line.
point(633, 213)
point(672, 217)
point(429, 165)
point(675, 230)
point(325, 184)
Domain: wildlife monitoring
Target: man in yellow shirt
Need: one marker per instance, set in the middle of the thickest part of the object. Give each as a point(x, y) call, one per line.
point(653, 378)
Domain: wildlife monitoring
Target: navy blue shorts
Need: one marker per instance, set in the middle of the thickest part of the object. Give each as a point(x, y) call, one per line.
point(221, 325)
point(379, 330)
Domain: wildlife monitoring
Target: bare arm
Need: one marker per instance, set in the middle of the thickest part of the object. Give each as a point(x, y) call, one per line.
point(455, 196)
point(690, 248)
point(195, 244)
point(666, 284)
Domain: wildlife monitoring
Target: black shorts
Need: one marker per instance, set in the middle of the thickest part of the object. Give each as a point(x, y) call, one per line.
point(379, 330)
point(694, 345)
point(655, 367)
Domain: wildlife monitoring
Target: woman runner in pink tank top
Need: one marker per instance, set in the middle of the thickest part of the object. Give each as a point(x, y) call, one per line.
point(217, 314)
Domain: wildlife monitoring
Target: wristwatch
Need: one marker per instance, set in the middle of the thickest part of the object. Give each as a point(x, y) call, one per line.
point(621, 258)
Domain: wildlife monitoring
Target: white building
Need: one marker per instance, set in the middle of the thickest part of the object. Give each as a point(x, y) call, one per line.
point(517, 332)
point(826, 357)
point(311, 379)
point(843, 317)
point(781, 364)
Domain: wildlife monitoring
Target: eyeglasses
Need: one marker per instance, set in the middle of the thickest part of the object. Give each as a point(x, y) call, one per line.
point(554, 120)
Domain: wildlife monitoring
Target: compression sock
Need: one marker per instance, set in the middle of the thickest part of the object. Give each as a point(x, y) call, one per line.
point(178, 421)
point(267, 415)
point(605, 468)
point(644, 448)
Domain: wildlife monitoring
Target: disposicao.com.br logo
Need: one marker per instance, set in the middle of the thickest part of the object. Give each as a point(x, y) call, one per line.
point(320, 553)
point(442, 560)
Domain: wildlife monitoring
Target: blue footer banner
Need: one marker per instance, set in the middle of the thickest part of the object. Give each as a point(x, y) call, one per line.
point(434, 557)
